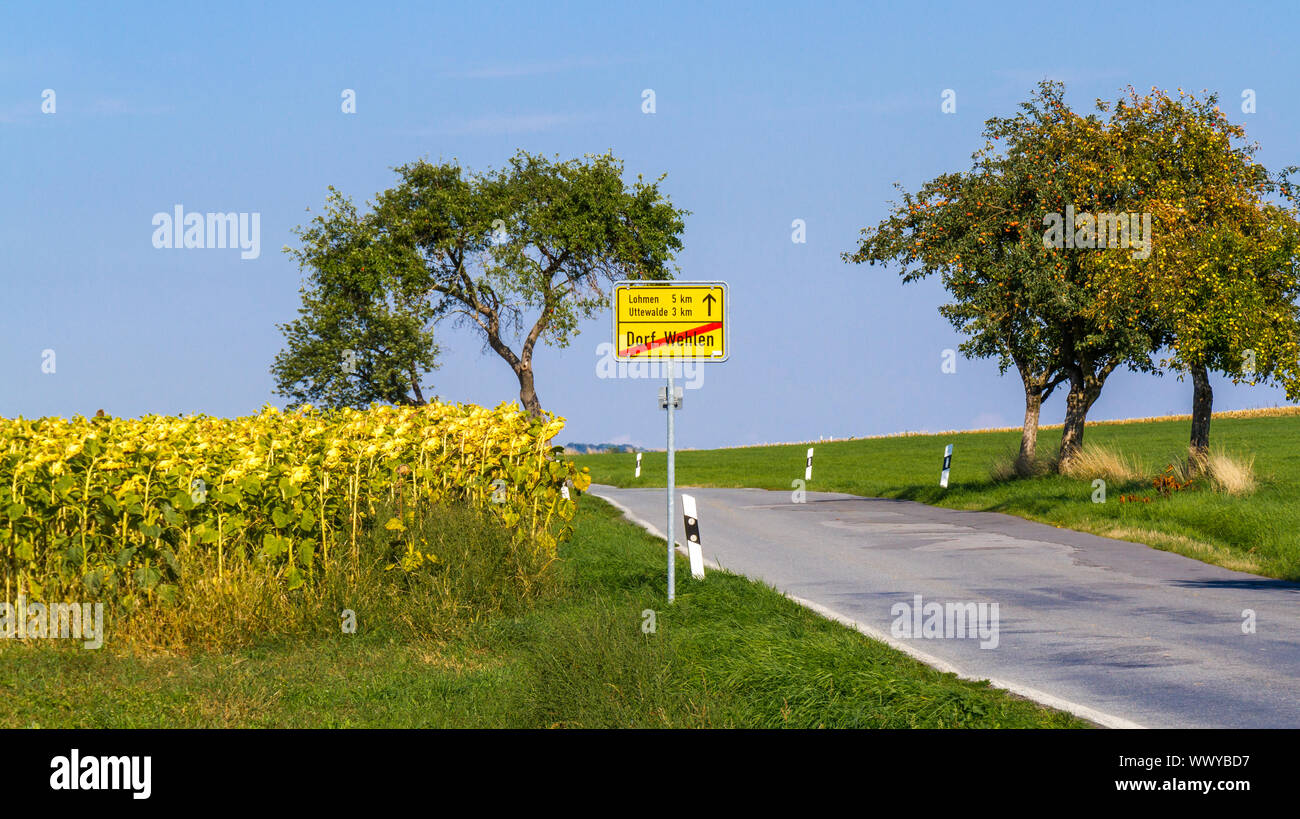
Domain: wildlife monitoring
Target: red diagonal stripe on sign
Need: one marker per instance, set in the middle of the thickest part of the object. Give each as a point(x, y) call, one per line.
point(641, 348)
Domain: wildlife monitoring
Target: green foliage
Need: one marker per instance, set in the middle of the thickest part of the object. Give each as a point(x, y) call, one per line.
point(1225, 272)
point(363, 333)
point(1013, 297)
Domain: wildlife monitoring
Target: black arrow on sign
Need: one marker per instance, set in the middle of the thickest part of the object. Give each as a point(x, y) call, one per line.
point(709, 299)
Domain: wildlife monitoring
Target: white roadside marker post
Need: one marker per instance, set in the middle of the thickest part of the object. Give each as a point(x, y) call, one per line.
point(638, 465)
point(807, 470)
point(947, 462)
point(693, 546)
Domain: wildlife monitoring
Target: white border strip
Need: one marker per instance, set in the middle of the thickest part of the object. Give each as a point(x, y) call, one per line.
point(1042, 697)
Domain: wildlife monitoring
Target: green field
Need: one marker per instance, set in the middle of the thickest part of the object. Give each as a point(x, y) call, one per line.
point(1256, 533)
point(730, 652)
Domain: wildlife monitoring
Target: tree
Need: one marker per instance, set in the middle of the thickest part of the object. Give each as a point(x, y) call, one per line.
point(968, 227)
point(519, 254)
point(1030, 303)
point(362, 334)
point(1104, 316)
point(1224, 275)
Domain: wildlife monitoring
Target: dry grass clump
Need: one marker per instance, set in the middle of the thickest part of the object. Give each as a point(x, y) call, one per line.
point(1224, 472)
point(1227, 473)
point(1232, 474)
point(1095, 461)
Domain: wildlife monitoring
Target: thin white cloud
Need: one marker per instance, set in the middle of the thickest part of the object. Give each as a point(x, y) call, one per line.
point(110, 105)
point(503, 70)
point(27, 112)
point(116, 106)
point(505, 124)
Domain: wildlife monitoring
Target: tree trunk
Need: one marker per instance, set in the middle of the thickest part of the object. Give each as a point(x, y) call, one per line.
point(522, 364)
point(1029, 433)
point(415, 387)
point(1202, 407)
point(1077, 404)
point(527, 392)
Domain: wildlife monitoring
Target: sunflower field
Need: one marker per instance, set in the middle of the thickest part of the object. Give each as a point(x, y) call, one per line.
point(129, 510)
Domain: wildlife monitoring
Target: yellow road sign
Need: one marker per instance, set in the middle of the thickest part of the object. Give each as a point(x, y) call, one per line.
point(670, 321)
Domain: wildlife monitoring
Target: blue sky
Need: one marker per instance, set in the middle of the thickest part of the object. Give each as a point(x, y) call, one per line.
point(763, 115)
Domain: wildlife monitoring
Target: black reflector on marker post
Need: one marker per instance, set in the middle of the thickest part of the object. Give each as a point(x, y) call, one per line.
point(693, 546)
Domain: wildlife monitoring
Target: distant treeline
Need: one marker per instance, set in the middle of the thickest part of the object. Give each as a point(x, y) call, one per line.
point(585, 449)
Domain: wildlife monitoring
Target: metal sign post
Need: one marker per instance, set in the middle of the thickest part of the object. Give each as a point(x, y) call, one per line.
point(671, 399)
point(672, 562)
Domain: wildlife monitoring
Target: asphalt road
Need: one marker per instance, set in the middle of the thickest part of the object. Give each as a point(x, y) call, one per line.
point(1118, 632)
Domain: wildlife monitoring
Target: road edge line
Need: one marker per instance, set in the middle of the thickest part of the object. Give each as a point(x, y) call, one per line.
point(1041, 697)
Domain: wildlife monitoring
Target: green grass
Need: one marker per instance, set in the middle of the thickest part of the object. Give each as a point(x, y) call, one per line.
point(1255, 533)
point(729, 653)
